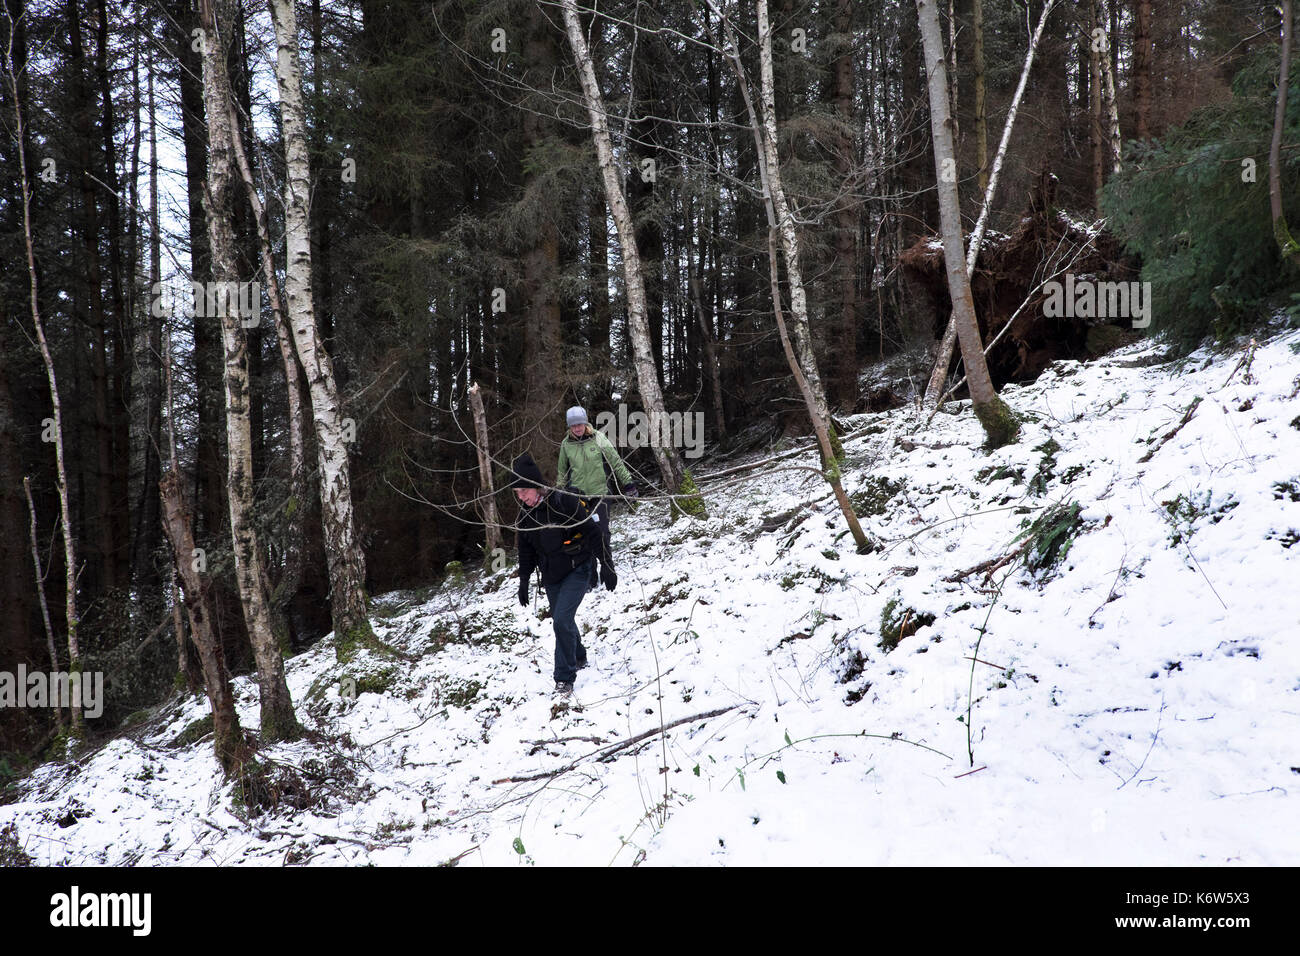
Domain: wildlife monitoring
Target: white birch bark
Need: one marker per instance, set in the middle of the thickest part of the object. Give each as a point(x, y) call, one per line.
point(295, 535)
point(767, 172)
point(65, 511)
point(278, 720)
point(670, 468)
point(347, 567)
point(40, 593)
point(487, 494)
point(1113, 140)
point(770, 159)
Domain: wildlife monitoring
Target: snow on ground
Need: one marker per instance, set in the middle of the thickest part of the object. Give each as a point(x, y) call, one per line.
point(1137, 703)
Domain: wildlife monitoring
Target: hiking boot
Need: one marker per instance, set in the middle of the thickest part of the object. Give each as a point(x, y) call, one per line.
point(563, 688)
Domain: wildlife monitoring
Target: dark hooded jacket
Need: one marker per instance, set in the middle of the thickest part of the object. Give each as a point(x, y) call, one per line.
point(558, 534)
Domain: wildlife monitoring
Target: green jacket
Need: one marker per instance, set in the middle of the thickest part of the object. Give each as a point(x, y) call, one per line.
point(581, 465)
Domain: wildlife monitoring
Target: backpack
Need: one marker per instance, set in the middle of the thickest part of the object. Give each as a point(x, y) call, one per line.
point(586, 531)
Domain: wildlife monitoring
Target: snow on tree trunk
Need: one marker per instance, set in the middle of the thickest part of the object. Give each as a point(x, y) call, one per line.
point(347, 569)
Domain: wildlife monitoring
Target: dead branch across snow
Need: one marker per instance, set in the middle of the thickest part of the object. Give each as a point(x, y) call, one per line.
point(604, 754)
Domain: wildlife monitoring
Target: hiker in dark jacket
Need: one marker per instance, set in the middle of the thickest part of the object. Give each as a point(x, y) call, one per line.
point(561, 537)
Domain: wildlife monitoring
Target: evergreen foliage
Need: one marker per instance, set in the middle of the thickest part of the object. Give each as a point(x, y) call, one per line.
point(1189, 205)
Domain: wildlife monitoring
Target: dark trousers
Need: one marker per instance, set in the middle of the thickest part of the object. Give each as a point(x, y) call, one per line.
point(565, 598)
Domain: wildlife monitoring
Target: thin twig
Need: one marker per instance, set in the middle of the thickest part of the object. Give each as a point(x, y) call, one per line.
point(1154, 738)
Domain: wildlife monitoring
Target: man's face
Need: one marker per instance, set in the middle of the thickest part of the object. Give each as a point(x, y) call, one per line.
point(528, 497)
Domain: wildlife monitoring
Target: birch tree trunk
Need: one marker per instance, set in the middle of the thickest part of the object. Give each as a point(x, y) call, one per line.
point(939, 372)
point(347, 563)
point(769, 174)
point(670, 466)
point(228, 736)
point(40, 593)
point(186, 649)
point(770, 160)
point(1114, 143)
point(1285, 241)
point(65, 511)
point(999, 423)
point(487, 494)
point(278, 720)
point(295, 535)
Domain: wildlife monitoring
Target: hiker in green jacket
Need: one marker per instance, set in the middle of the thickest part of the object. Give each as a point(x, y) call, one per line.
point(590, 463)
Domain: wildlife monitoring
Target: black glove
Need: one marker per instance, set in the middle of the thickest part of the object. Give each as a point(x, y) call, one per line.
point(609, 577)
point(523, 592)
point(629, 490)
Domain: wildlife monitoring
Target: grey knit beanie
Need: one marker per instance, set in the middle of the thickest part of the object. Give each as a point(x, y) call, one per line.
point(577, 415)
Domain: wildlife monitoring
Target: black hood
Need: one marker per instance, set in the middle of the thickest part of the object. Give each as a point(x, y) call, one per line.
point(527, 474)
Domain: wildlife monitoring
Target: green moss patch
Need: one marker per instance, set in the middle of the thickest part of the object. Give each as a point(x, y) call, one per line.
point(1001, 427)
point(873, 497)
point(194, 731)
point(688, 500)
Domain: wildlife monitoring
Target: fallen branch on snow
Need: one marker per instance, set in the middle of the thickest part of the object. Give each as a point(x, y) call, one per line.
point(605, 753)
point(1187, 417)
point(989, 566)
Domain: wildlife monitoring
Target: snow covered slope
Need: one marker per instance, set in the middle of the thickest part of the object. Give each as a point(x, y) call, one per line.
point(1135, 698)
